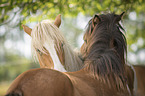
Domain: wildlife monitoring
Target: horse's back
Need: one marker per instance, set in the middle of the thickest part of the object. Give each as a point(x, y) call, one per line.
point(41, 82)
point(85, 84)
point(47, 82)
point(140, 74)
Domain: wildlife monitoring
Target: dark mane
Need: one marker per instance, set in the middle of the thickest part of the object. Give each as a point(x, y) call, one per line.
point(104, 49)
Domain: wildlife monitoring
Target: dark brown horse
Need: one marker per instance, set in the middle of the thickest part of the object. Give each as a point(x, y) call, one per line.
point(140, 75)
point(102, 75)
point(119, 48)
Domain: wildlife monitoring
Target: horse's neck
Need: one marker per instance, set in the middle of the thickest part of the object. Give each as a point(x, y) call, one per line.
point(73, 61)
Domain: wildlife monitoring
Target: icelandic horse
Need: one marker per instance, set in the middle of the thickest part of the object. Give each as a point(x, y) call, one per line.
point(130, 71)
point(65, 54)
point(102, 74)
point(49, 44)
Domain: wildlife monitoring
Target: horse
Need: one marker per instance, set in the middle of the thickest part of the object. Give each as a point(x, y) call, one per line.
point(132, 82)
point(140, 75)
point(49, 44)
point(101, 75)
point(135, 73)
point(130, 72)
point(136, 82)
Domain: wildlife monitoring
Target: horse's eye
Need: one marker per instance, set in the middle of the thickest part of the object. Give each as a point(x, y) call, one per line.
point(38, 50)
point(62, 44)
point(85, 41)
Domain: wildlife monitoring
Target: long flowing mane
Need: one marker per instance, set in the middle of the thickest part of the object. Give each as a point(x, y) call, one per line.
point(102, 61)
point(47, 38)
point(104, 49)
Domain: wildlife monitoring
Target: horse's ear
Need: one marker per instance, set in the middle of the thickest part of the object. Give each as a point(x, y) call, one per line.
point(121, 15)
point(57, 21)
point(96, 19)
point(27, 29)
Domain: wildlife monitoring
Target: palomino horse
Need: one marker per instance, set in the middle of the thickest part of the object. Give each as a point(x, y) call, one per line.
point(50, 45)
point(102, 75)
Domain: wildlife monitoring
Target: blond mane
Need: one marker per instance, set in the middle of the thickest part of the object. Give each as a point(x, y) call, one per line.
point(47, 37)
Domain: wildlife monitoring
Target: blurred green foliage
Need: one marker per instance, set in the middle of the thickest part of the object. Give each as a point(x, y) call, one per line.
point(3, 87)
point(10, 71)
point(14, 66)
point(65, 7)
point(36, 10)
